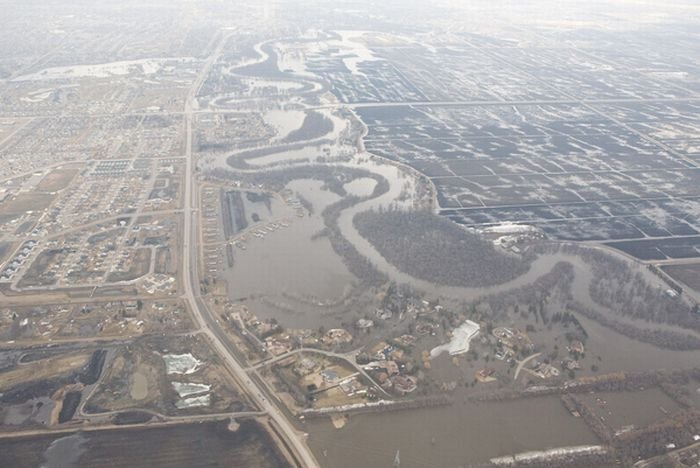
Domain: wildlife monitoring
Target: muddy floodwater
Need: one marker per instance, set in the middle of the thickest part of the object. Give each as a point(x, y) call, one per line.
point(289, 262)
point(619, 352)
point(449, 436)
point(625, 409)
point(295, 264)
point(292, 265)
point(308, 153)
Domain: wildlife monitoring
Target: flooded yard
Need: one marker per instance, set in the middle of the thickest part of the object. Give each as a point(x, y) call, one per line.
point(290, 265)
point(624, 409)
point(292, 270)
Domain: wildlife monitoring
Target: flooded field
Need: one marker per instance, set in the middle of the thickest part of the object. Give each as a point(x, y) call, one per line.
point(289, 262)
point(36, 410)
point(620, 410)
point(284, 122)
point(687, 274)
point(292, 264)
point(621, 353)
point(451, 436)
point(200, 445)
point(314, 192)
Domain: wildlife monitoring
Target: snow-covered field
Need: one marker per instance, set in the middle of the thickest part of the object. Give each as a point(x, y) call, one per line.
point(194, 402)
point(186, 389)
point(102, 70)
point(459, 344)
point(284, 121)
point(181, 363)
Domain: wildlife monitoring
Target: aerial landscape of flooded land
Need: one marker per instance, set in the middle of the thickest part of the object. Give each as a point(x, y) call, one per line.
point(350, 233)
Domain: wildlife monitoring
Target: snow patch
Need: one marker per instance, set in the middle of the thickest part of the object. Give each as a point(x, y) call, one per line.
point(181, 363)
point(101, 70)
point(186, 389)
point(194, 402)
point(459, 344)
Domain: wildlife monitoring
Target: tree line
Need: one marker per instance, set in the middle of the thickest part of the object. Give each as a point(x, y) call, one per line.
point(435, 249)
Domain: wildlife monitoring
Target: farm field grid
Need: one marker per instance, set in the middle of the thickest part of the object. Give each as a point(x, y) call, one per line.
point(599, 150)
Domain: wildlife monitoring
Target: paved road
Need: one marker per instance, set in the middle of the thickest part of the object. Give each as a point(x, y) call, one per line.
point(522, 363)
point(112, 427)
point(200, 310)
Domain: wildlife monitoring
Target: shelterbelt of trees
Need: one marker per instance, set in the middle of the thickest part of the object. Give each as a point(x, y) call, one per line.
point(435, 249)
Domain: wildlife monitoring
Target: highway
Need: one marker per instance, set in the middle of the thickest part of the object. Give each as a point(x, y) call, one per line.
point(200, 311)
